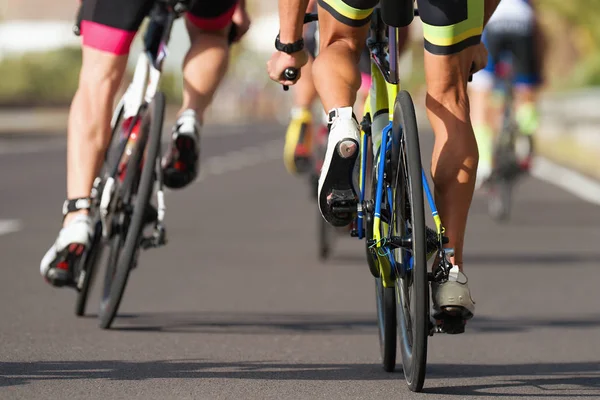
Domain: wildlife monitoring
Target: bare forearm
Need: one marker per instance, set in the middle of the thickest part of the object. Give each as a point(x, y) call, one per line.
point(291, 18)
point(490, 7)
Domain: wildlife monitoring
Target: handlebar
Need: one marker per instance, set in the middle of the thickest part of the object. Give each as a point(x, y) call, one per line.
point(291, 74)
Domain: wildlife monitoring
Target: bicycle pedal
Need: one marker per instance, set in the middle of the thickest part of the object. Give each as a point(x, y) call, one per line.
point(451, 325)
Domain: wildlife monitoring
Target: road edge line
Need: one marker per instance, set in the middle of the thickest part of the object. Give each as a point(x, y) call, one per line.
point(572, 181)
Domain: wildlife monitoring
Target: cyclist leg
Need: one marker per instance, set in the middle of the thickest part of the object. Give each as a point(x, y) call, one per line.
point(451, 37)
point(108, 28)
point(204, 66)
point(527, 80)
point(342, 35)
point(480, 93)
point(299, 135)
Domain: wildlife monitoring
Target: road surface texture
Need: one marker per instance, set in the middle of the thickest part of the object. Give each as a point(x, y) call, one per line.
point(238, 306)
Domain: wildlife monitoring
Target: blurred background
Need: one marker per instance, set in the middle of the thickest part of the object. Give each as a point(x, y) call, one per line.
point(40, 59)
point(239, 304)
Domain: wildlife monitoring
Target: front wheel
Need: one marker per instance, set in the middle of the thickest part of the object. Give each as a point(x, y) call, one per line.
point(412, 289)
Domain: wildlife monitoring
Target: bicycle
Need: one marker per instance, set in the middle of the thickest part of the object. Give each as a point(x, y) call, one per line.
point(122, 202)
point(506, 169)
point(390, 212)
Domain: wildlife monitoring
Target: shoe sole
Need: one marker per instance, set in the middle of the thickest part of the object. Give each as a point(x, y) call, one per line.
point(453, 312)
point(337, 184)
point(174, 178)
point(60, 272)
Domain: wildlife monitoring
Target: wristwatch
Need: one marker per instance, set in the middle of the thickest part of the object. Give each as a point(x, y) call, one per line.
point(289, 48)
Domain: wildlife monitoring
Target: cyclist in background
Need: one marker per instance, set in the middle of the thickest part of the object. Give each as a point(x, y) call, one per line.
point(108, 28)
point(514, 29)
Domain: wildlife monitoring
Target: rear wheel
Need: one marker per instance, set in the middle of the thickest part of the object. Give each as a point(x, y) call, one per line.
point(88, 264)
point(325, 237)
point(385, 296)
point(412, 290)
point(134, 197)
point(386, 324)
point(87, 269)
point(499, 201)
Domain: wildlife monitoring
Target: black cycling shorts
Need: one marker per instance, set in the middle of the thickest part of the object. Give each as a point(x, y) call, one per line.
point(449, 26)
point(520, 46)
point(111, 25)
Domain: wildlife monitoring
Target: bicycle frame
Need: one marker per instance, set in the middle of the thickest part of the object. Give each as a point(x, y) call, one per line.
point(380, 105)
point(139, 95)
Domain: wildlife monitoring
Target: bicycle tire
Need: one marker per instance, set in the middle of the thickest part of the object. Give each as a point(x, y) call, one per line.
point(324, 238)
point(385, 297)
point(131, 241)
point(500, 200)
point(89, 266)
point(386, 324)
point(413, 310)
point(89, 262)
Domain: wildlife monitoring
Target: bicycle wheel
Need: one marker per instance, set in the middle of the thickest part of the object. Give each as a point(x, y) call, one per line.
point(87, 269)
point(506, 170)
point(412, 288)
point(386, 324)
point(385, 298)
point(88, 264)
point(500, 199)
point(325, 237)
point(135, 197)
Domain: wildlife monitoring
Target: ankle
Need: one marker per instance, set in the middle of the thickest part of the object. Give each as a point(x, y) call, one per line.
point(72, 215)
point(190, 112)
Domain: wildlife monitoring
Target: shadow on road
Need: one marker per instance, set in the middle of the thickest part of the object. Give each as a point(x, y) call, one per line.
point(551, 380)
point(248, 323)
point(483, 324)
point(19, 373)
point(349, 323)
point(545, 258)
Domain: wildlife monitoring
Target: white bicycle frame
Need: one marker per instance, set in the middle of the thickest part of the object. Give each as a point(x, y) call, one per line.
point(139, 93)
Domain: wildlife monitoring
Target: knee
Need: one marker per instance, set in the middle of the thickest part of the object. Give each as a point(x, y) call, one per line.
point(99, 82)
point(447, 99)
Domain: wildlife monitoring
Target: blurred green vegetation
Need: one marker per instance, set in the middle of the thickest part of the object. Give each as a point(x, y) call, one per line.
point(573, 33)
point(571, 28)
point(51, 79)
point(34, 78)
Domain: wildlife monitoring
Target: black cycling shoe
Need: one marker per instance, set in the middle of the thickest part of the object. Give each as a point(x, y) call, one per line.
point(180, 164)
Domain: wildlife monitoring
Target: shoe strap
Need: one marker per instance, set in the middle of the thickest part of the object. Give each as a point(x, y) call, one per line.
point(345, 112)
point(72, 205)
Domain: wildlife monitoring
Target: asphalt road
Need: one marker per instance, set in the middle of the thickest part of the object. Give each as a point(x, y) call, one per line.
point(237, 306)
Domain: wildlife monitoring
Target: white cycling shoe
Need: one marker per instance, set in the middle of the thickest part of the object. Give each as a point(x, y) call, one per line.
point(72, 240)
point(338, 182)
point(453, 297)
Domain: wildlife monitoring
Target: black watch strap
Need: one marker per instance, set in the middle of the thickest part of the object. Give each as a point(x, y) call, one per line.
point(289, 48)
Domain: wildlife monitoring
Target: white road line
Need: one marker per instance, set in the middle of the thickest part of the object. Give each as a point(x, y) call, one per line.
point(9, 146)
point(573, 182)
point(9, 226)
